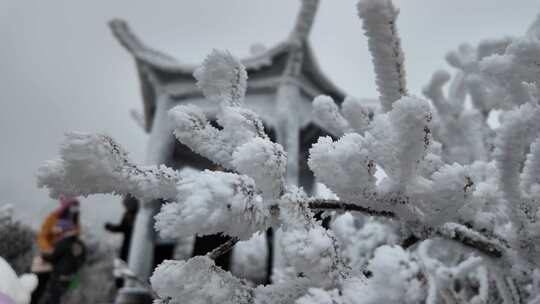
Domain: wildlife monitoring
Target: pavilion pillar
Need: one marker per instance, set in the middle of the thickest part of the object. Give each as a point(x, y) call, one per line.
point(141, 253)
point(288, 98)
point(288, 128)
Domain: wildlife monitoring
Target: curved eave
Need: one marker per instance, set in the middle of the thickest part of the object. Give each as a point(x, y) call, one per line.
point(161, 61)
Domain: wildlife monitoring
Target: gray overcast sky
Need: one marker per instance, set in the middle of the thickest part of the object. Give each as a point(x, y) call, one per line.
point(61, 70)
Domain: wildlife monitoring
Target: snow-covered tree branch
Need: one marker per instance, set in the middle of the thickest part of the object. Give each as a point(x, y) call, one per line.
point(95, 163)
point(379, 22)
point(451, 183)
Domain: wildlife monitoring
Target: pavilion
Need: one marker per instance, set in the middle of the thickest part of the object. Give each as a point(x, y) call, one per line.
point(283, 80)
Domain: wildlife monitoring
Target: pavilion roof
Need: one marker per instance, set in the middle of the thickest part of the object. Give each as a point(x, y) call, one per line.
point(149, 59)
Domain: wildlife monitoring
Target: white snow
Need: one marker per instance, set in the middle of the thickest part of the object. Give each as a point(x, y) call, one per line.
point(17, 288)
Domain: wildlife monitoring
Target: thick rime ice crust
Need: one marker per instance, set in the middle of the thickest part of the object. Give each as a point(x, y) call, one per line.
point(198, 281)
point(222, 77)
point(379, 23)
point(212, 202)
point(94, 163)
point(345, 166)
point(265, 162)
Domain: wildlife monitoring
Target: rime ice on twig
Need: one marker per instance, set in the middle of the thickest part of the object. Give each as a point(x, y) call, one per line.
point(353, 116)
point(327, 113)
point(442, 278)
point(463, 134)
point(335, 205)
point(530, 180)
point(213, 202)
point(518, 135)
point(94, 163)
point(400, 142)
point(345, 166)
point(193, 129)
point(451, 231)
point(470, 238)
point(222, 78)
point(265, 162)
point(392, 269)
point(521, 127)
point(241, 142)
point(379, 17)
point(198, 280)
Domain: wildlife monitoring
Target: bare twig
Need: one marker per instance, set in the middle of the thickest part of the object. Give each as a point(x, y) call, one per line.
point(223, 248)
point(471, 238)
point(338, 205)
point(143, 283)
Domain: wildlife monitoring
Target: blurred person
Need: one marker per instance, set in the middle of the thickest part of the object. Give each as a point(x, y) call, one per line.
point(52, 230)
point(67, 258)
point(125, 227)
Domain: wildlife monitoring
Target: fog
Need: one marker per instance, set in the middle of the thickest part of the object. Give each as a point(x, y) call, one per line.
point(61, 69)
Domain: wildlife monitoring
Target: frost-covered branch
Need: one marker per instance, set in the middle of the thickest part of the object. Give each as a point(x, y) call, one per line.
point(336, 205)
point(211, 202)
point(451, 231)
point(442, 278)
point(222, 78)
point(434, 92)
point(241, 144)
point(530, 180)
point(379, 17)
point(465, 135)
point(470, 238)
point(327, 114)
point(515, 71)
point(397, 141)
point(400, 142)
point(521, 127)
point(95, 163)
point(198, 280)
point(352, 116)
point(515, 154)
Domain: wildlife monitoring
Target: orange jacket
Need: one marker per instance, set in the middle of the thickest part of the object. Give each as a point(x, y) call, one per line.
point(48, 233)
